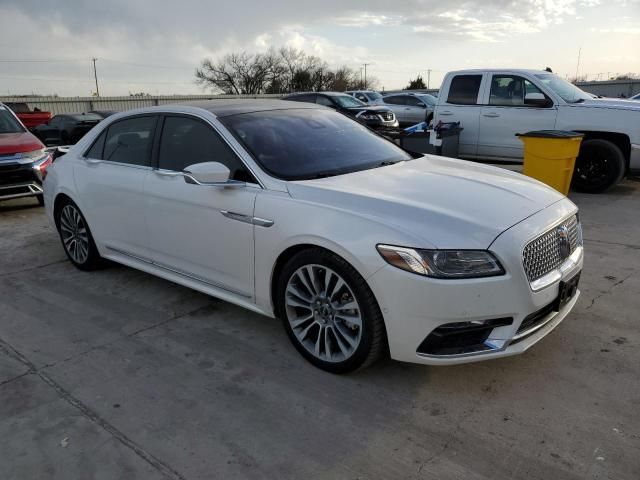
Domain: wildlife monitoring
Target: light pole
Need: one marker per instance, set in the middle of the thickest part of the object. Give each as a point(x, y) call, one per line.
point(95, 75)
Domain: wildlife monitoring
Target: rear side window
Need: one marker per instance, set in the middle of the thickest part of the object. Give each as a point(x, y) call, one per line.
point(97, 148)
point(187, 141)
point(129, 141)
point(302, 98)
point(464, 89)
point(322, 100)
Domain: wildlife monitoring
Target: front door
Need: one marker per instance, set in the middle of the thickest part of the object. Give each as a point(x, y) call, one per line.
point(510, 110)
point(110, 179)
point(202, 232)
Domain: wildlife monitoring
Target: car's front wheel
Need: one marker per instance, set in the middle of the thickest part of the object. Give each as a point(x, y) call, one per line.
point(329, 312)
point(599, 166)
point(76, 237)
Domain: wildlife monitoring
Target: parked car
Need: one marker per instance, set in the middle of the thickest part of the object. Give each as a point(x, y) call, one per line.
point(372, 116)
point(411, 108)
point(296, 211)
point(493, 105)
point(66, 129)
point(366, 96)
point(103, 113)
point(23, 159)
point(635, 97)
point(29, 118)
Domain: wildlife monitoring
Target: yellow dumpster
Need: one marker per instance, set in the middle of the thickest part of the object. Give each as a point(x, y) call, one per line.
point(550, 156)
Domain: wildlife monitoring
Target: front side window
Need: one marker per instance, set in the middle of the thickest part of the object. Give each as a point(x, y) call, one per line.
point(129, 141)
point(413, 102)
point(301, 144)
point(9, 123)
point(398, 100)
point(464, 89)
point(374, 96)
point(362, 97)
point(187, 141)
point(97, 148)
point(511, 90)
point(322, 100)
point(347, 101)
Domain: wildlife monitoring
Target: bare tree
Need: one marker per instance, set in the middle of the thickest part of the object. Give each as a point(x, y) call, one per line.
point(239, 73)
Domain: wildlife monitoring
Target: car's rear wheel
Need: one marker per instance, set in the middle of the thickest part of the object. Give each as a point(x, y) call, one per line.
point(76, 237)
point(329, 312)
point(599, 166)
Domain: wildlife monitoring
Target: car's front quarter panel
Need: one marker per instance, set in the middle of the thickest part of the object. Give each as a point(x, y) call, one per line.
point(298, 222)
point(59, 180)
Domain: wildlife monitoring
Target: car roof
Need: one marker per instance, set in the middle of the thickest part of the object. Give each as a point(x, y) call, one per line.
point(224, 108)
point(329, 94)
point(500, 70)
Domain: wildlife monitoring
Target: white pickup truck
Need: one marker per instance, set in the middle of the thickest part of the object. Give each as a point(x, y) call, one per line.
point(493, 105)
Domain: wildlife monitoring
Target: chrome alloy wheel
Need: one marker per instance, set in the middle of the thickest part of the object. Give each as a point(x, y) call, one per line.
point(323, 313)
point(74, 234)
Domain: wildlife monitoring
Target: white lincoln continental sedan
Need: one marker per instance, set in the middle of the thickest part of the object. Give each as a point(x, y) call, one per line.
point(295, 211)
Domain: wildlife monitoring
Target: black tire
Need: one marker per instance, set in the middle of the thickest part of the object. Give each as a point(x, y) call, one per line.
point(40, 199)
point(429, 118)
point(373, 340)
point(92, 260)
point(599, 166)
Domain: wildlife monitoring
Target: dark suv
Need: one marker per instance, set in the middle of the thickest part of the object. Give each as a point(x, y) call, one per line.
point(372, 116)
point(23, 159)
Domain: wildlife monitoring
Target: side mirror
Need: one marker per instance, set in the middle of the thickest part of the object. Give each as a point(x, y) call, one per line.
point(212, 174)
point(537, 100)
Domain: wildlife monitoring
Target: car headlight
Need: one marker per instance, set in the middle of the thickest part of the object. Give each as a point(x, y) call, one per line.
point(442, 263)
point(35, 154)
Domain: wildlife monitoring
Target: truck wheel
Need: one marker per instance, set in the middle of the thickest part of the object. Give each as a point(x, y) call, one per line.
point(599, 166)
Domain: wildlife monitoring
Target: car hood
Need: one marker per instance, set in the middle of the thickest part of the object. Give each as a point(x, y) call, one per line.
point(18, 143)
point(441, 202)
point(610, 103)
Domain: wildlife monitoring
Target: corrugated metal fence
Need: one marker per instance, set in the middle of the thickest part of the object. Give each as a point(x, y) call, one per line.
point(612, 88)
point(58, 105)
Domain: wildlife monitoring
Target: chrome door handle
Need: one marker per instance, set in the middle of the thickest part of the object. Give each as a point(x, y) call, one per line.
point(93, 161)
point(491, 115)
point(446, 112)
point(168, 173)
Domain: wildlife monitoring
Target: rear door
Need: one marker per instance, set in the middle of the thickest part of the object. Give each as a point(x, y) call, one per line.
point(463, 104)
point(110, 180)
point(416, 109)
point(510, 109)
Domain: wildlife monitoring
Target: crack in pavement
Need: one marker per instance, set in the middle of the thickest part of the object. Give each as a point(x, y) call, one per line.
point(122, 337)
point(604, 242)
point(608, 292)
point(84, 409)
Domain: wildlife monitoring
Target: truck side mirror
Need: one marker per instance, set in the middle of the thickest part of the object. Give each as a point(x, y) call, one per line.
point(537, 100)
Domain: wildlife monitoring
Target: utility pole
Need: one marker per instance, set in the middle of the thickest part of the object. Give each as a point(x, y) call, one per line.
point(360, 77)
point(95, 75)
point(578, 65)
point(365, 74)
point(428, 77)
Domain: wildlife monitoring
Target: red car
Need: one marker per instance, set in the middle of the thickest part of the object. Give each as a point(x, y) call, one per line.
point(23, 159)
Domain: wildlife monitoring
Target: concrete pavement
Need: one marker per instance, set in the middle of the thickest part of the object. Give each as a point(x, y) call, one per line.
point(119, 375)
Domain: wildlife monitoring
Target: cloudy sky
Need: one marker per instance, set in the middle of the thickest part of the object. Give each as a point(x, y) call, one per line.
point(46, 46)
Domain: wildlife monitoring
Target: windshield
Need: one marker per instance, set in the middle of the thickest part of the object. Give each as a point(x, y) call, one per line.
point(8, 123)
point(347, 101)
point(301, 144)
point(373, 95)
point(569, 92)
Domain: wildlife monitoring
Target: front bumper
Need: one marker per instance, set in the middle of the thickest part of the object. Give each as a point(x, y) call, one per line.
point(19, 180)
point(415, 306)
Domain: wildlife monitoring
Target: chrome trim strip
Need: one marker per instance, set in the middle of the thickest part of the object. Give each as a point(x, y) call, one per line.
point(180, 272)
point(554, 275)
point(260, 222)
point(535, 328)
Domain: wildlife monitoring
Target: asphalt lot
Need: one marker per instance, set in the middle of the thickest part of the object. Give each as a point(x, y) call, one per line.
point(119, 375)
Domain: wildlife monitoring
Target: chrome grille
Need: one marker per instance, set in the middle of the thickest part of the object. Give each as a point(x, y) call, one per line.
point(543, 254)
